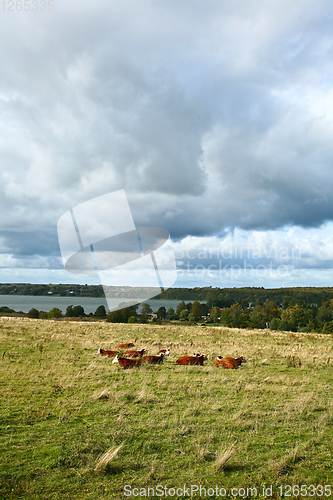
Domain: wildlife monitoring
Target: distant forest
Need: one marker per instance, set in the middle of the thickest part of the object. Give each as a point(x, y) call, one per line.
point(225, 297)
point(222, 297)
point(57, 290)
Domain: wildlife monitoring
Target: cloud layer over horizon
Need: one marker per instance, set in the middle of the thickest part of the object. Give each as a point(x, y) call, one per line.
point(214, 117)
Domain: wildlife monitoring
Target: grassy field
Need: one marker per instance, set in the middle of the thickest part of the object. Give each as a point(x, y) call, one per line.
point(63, 406)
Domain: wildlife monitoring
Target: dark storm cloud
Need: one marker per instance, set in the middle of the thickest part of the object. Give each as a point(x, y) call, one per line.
point(26, 244)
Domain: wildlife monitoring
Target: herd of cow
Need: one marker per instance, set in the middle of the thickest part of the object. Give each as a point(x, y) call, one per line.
point(130, 358)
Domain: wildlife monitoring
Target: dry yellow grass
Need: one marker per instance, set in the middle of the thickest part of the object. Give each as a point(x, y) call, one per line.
point(224, 457)
point(107, 458)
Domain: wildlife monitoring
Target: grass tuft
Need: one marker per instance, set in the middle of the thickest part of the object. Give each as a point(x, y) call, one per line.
point(287, 464)
point(104, 461)
point(102, 395)
point(224, 457)
point(144, 396)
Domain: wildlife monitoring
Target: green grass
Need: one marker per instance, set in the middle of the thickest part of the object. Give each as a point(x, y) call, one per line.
point(64, 406)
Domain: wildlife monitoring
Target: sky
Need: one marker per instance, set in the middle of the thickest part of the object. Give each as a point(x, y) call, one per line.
point(215, 117)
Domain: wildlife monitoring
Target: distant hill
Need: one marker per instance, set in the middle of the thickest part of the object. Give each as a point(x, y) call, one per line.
point(223, 297)
point(57, 290)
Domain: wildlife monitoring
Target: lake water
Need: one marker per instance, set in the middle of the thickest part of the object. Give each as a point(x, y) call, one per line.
point(45, 303)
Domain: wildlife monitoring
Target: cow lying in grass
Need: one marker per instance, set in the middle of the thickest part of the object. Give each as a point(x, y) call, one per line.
point(135, 363)
point(198, 359)
point(125, 346)
point(126, 363)
point(229, 363)
point(154, 360)
point(109, 354)
point(135, 354)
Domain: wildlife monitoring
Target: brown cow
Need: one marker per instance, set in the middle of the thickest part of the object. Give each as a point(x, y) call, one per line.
point(154, 360)
point(192, 360)
point(126, 363)
point(229, 363)
point(109, 354)
point(125, 346)
point(135, 354)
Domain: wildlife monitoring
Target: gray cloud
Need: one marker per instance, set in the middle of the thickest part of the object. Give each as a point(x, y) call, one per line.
point(211, 116)
point(26, 244)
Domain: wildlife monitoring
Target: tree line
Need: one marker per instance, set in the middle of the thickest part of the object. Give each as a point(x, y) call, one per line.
point(50, 289)
point(222, 297)
point(289, 316)
point(55, 312)
point(225, 297)
point(286, 316)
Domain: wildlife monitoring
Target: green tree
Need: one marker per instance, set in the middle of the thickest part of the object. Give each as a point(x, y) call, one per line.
point(274, 324)
point(242, 321)
point(235, 310)
point(161, 312)
point(131, 319)
point(146, 311)
point(78, 311)
point(215, 314)
point(324, 315)
point(121, 315)
point(191, 318)
point(225, 317)
point(289, 301)
point(100, 312)
point(203, 309)
point(285, 324)
point(7, 310)
point(258, 320)
point(54, 313)
point(69, 312)
point(195, 310)
point(115, 317)
point(130, 311)
point(183, 315)
point(170, 311)
point(33, 313)
point(181, 306)
point(270, 304)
